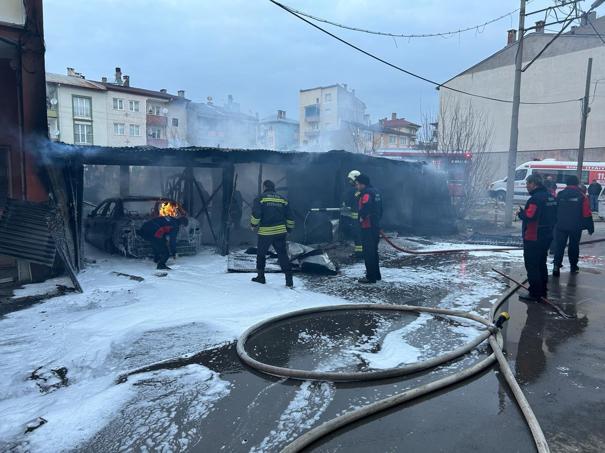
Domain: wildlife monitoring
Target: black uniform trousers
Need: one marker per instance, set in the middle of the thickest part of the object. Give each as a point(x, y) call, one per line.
point(278, 241)
point(369, 241)
point(535, 254)
point(160, 250)
point(573, 249)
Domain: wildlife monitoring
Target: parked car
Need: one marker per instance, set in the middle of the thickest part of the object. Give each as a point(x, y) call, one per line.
point(112, 226)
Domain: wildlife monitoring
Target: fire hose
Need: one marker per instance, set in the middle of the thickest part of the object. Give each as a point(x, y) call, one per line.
point(447, 251)
point(491, 333)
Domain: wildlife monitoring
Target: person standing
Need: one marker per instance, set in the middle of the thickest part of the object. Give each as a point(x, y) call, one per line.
point(594, 190)
point(350, 218)
point(538, 216)
point(272, 219)
point(370, 212)
point(162, 233)
point(573, 216)
point(551, 185)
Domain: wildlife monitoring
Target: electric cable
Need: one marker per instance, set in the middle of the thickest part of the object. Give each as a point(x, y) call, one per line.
point(399, 35)
point(412, 74)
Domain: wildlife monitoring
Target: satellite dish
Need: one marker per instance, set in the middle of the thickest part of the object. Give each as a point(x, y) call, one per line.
point(164, 110)
point(56, 132)
point(53, 101)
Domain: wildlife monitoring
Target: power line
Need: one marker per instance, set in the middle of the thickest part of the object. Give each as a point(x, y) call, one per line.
point(397, 35)
point(405, 71)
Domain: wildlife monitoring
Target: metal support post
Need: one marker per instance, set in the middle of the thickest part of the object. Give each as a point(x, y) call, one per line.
point(514, 123)
point(585, 112)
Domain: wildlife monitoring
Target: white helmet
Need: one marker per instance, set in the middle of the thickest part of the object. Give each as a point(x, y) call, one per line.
point(353, 174)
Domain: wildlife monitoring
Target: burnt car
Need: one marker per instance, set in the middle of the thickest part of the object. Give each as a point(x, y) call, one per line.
point(112, 226)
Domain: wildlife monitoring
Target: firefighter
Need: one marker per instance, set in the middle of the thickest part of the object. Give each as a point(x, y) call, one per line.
point(162, 233)
point(370, 212)
point(271, 218)
point(538, 216)
point(573, 215)
point(350, 216)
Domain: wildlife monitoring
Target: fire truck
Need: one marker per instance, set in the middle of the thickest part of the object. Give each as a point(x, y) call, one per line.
point(455, 165)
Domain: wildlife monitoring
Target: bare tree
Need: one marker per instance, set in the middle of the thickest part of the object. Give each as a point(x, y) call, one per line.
point(358, 139)
point(462, 128)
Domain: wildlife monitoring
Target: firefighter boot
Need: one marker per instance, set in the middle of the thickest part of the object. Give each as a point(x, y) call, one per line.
point(260, 278)
point(289, 281)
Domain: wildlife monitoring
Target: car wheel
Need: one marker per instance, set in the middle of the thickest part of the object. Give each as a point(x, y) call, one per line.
point(501, 195)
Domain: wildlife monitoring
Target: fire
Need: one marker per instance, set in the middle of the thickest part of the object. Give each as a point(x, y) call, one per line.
point(168, 209)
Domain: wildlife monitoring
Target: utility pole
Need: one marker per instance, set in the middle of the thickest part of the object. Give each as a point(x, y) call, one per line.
point(585, 112)
point(514, 123)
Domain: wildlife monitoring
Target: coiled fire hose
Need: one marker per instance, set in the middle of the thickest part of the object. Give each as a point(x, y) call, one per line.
point(492, 334)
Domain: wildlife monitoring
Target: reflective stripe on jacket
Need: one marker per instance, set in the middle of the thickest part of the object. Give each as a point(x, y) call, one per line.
point(271, 214)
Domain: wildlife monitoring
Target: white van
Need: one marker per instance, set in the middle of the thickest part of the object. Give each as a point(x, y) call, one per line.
point(548, 167)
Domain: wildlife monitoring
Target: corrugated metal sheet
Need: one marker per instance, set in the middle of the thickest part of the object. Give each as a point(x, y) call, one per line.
point(24, 232)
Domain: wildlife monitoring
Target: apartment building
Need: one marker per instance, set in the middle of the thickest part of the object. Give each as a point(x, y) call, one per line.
point(548, 128)
point(277, 132)
point(333, 117)
point(394, 134)
point(223, 126)
point(86, 112)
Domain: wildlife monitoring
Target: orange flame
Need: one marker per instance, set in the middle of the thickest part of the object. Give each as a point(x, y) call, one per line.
point(168, 209)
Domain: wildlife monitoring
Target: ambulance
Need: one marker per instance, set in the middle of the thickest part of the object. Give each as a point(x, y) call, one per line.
point(558, 170)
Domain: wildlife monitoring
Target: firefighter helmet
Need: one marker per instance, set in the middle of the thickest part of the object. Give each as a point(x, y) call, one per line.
point(352, 176)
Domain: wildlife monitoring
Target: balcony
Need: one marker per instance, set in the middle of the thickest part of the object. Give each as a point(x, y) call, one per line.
point(157, 120)
point(312, 113)
point(157, 142)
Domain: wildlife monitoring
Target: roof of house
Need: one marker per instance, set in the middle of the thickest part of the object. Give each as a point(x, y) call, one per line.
point(581, 38)
point(104, 86)
point(214, 110)
point(143, 92)
point(400, 122)
point(322, 88)
point(74, 81)
point(276, 119)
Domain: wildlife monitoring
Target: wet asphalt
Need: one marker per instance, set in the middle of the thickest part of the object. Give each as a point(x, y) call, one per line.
point(560, 364)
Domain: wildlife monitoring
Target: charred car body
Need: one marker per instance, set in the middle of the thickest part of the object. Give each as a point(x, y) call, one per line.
point(112, 226)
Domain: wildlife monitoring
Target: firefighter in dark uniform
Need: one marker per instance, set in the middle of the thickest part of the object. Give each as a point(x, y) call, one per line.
point(573, 215)
point(350, 216)
point(271, 218)
point(162, 233)
point(370, 212)
point(539, 217)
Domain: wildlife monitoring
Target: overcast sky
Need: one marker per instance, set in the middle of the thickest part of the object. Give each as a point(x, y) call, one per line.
point(262, 55)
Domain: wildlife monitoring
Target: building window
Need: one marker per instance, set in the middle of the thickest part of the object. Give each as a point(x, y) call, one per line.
point(118, 104)
point(155, 132)
point(175, 122)
point(133, 106)
point(83, 133)
point(118, 128)
point(392, 139)
point(135, 130)
point(402, 141)
point(328, 97)
point(82, 107)
point(155, 110)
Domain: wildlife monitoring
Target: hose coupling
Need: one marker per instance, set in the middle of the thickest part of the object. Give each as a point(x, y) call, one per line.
point(504, 316)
